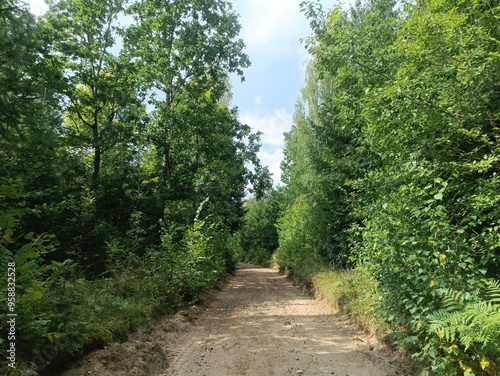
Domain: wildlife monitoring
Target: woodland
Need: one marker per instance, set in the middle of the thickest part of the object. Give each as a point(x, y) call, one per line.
point(128, 186)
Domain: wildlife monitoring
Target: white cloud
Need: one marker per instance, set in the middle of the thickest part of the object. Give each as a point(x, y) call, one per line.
point(272, 27)
point(38, 7)
point(273, 162)
point(272, 125)
point(258, 99)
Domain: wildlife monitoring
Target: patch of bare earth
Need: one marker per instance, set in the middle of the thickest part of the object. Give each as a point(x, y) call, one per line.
point(258, 324)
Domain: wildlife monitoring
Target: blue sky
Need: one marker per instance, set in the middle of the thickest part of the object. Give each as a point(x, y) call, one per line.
point(271, 30)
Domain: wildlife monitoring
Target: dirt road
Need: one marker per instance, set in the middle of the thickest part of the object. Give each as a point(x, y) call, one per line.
point(258, 324)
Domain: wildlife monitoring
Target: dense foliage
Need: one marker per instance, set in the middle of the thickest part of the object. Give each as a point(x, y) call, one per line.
point(392, 167)
point(259, 235)
point(123, 168)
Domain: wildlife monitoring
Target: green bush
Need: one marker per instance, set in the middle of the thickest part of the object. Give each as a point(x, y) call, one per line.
point(259, 236)
point(199, 259)
point(297, 241)
point(30, 276)
point(411, 242)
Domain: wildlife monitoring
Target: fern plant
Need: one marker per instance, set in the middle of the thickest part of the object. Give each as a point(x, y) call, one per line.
point(465, 333)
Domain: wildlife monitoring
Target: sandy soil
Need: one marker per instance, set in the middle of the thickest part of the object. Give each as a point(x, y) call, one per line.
point(258, 324)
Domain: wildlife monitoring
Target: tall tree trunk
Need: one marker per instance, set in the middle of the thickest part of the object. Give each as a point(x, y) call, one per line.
point(164, 176)
point(97, 149)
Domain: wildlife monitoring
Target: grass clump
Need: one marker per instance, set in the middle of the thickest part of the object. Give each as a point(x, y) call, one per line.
point(350, 291)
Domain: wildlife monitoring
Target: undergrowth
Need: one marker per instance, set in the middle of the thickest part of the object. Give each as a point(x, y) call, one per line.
point(462, 338)
point(465, 334)
point(60, 316)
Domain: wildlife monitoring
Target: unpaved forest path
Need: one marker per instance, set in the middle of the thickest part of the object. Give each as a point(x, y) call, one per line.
point(258, 324)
